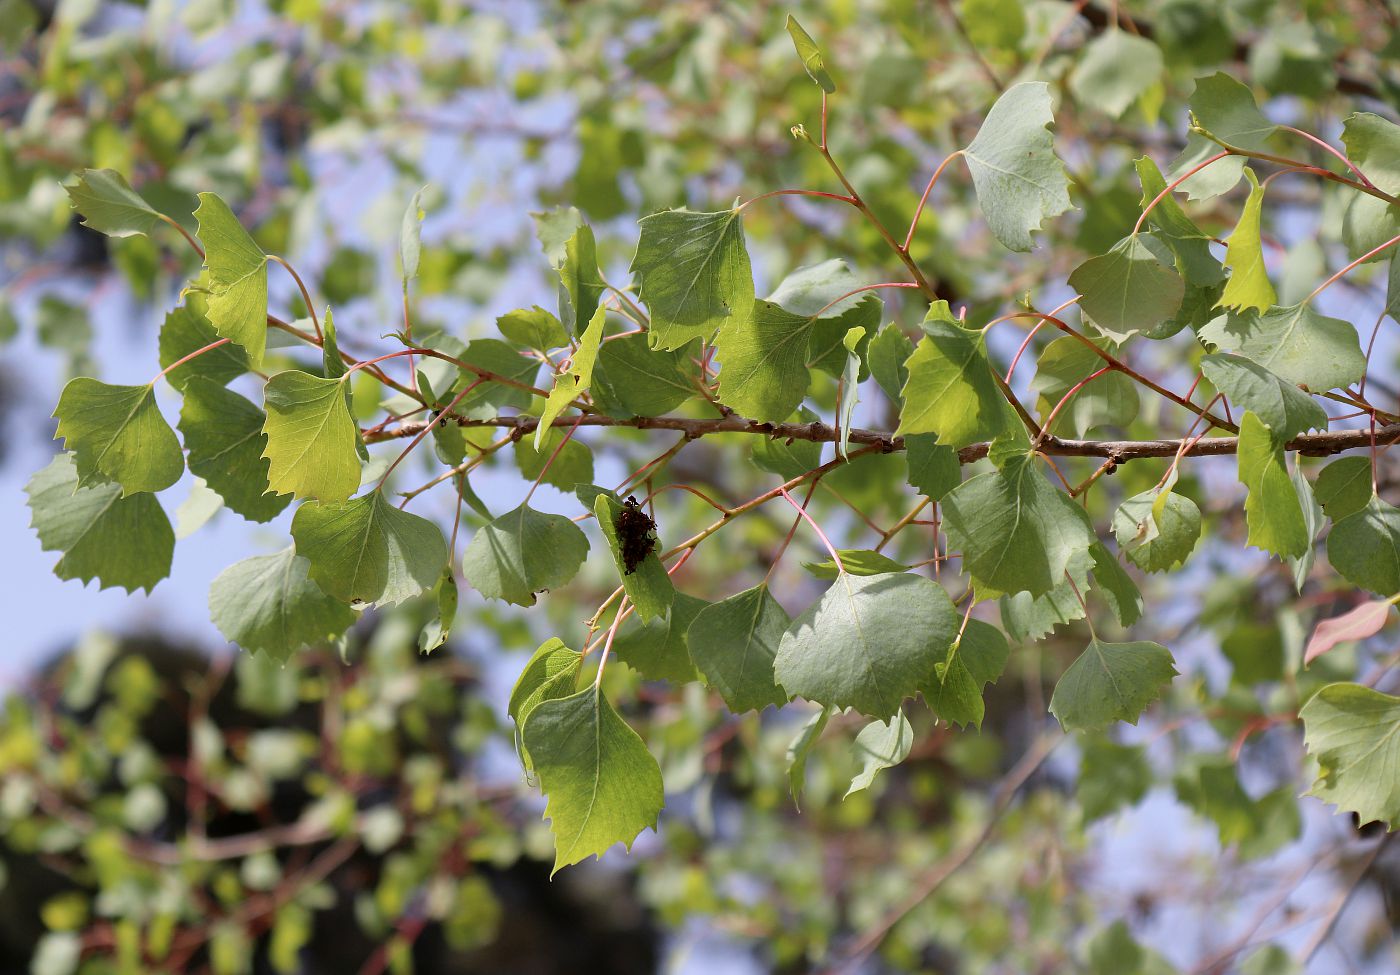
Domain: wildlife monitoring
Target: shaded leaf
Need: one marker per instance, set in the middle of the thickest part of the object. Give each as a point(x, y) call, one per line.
point(224, 435)
point(524, 552)
point(693, 274)
point(1111, 682)
point(366, 550)
point(117, 432)
point(1364, 547)
point(1128, 290)
point(878, 746)
point(268, 604)
point(733, 643)
point(1284, 408)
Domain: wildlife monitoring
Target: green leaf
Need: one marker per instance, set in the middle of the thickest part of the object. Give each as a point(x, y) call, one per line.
point(788, 460)
point(1116, 586)
point(647, 585)
point(950, 390)
point(109, 205)
point(887, 353)
point(1111, 400)
point(1312, 524)
point(733, 643)
point(1295, 342)
point(603, 785)
point(268, 604)
point(1248, 286)
point(119, 541)
point(1354, 733)
point(974, 661)
point(657, 649)
point(524, 552)
point(311, 437)
point(1028, 618)
point(237, 278)
point(411, 237)
point(1372, 143)
point(1115, 70)
point(764, 358)
point(1015, 531)
point(858, 562)
point(1284, 408)
point(934, 468)
point(1225, 108)
point(553, 228)
point(1344, 486)
point(572, 466)
point(1020, 182)
point(633, 379)
point(1364, 547)
point(1111, 682)
point(534, 328)
point(436, 631)
point(1157, 530)
point(497, 357)
point(187, 330)
point(1127, 291)
point(880, 745)
point(1188, 243)
point(580, 278)
point(1272, 509)
point(799, 748)
point(117, 432)
point(366, 550)
point(822, 293)
point(693, 274)
point(551, 673)
point(576, 379)
point(224, 435)
point(868, 643)
point(810, 54)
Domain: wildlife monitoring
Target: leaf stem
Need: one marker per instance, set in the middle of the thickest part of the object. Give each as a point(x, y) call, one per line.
point(305, 295)
point(919, 210)
point(1055, 413)
point(773, 193)
point(802, 512)
point(556, 452)
point(1328, 147)
point(183, 233)
point(426, 430)
point(868, 287)
point(180, 362)
point(1342, 273)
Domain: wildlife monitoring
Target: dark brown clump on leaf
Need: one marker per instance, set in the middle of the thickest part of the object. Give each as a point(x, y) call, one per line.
point(636, 534)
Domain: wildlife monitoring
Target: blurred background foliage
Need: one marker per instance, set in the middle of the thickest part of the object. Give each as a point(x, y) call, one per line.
point(168, 805)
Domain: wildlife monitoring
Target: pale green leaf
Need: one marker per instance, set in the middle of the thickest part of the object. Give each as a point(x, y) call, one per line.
point(858, 562)
point(1127, 291)
point(887, 354)
point(268, 604)
point(878, 746)
point(1364, 547)
point(950, 390)
point(934, 468)
point(534, 328)
point(693, 274)
point(1285, 409)
point(1116, 586)
point(524, 552)
point(1028, 618)
point(366, 550)
point(1115, 70)
point(602, 784)
point(237, 304)
point(799, 748)
point(1188, 243)
point(109, 205)
point(1111, 400)
point(810, 54)
point(1272, 509)
point(1344, 486)
point(552, 672)
point(117, 432)
point(578, 377)
point(733, 643)
point(1295, 342)
point(1248, 286)
point(822, 292)
point(311, 437)
point(1354, 733)
point(974, 661)
point(572, 464)
point(1225, 108)
point(411, 237)
point(1157, 530)
point(657, 648)
point(580, 279)
point(764, 359)
point(439, 627)
point(1111, 682)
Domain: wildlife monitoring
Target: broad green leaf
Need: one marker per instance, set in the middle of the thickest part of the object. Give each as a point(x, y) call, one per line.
point(657, 649)
point(799, 748)
point(436, 631)
point(1354, 733)
point(647, 585)
point(572, 465)
point(552, 672)
point(1115, 70)
point(764, 360)
point(733, 643)
point(934, 468)
point(268, 604)
point(1111, 682)
point(109, 205)
point(1225, 108)
point(1157, 530)
point(810, 54)
point(311, 437)
point(1284, 408)
point(119, 541)
point(887, 353)
point(1364, 547)
point(224, 435)
point(411, 238)
point(366, 550)
point(1020, 182)
point(693, 274)
point(1248, 285)
point(534, 328)
point(1111, 400)
point(1015, 531)
point(237, 304)
point(1028, 618)
point(576, 379)
point(1127, 291)
point(602, 784)
point(1116, 586)
point(1344, 486)
point(1187, 242)
point(524, 552)
point(950, 390)
point(1272, 509)
point(117, 432)
point(821, 293)
point(858, 562)
point(1295, 342)
point(1372, 143)
point(186, 330)
point(633, 379)
point(974, 661)
point(878, 746)
point(581, 280)
point(868, 643)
